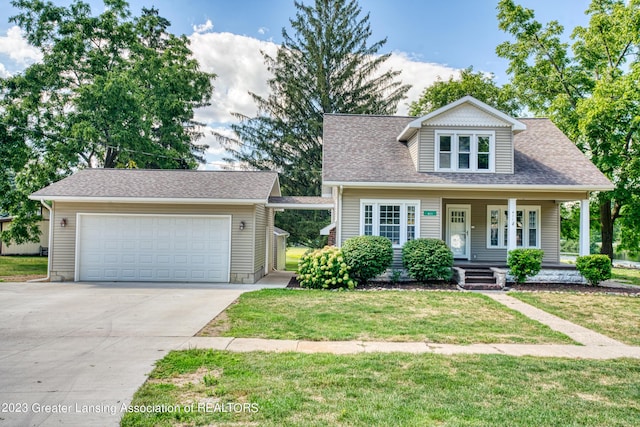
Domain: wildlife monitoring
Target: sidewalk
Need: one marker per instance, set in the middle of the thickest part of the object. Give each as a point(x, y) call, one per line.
point(594, 345)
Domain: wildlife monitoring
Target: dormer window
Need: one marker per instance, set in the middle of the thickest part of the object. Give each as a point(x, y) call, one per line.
point(464, 151)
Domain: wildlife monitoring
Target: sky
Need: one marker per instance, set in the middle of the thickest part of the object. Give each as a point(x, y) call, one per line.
point(427, 39)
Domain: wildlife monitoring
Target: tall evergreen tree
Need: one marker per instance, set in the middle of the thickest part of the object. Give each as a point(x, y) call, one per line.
point(327, 65)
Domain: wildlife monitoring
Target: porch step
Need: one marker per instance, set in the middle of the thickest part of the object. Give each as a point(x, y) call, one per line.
point(481, 287)
point(480, 279)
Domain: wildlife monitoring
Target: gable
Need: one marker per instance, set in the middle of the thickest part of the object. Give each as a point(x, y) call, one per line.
point(466, 115)
point(483, 111)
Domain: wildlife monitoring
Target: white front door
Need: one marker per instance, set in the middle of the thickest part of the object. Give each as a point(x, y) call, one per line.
point(458, 233)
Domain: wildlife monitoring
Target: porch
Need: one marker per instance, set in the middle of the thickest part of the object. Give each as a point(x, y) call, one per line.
point(495, 276)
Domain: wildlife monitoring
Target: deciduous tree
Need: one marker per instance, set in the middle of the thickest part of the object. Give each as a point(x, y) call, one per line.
point(590, 90)
point(112, 90)
point(480, 85)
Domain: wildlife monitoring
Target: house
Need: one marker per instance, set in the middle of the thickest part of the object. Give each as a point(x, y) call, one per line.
point(161, 225)
point(29, 248)
point(468, 174)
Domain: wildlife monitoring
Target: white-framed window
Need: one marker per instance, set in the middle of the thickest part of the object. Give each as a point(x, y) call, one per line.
point(395, 219)
point(465, 151)
point(527, 226)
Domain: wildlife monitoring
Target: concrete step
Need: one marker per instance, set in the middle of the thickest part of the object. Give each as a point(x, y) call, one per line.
point(481, 286)
point(479, 279)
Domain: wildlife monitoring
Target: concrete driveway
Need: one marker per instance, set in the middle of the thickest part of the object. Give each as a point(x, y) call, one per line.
point(74, 353)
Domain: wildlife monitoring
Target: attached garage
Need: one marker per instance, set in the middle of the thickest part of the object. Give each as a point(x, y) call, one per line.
point(113, 225)
point(157, 248)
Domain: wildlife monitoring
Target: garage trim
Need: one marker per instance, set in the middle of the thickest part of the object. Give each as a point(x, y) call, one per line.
point(79, 216)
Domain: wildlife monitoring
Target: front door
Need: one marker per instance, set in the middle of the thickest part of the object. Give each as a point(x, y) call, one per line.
point(458, 235)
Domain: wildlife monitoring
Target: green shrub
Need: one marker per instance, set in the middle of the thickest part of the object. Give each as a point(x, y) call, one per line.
point(368, 256)
point(427, 259)
point(524, 263)
point(594, 268)
point(324, 269)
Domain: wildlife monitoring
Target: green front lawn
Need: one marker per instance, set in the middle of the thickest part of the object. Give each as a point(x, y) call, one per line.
point(441, 317)
point(293, 257)
point(277, 389)
point(19, 266)
point(615, 316)
point(626, 275)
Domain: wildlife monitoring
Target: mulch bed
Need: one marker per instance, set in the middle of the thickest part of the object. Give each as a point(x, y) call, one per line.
point(531, 287)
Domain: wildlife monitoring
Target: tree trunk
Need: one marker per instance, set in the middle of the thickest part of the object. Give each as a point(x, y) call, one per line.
point(606, 222)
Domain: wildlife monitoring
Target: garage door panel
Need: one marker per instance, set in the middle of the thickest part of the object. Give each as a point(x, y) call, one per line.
point(153, 248)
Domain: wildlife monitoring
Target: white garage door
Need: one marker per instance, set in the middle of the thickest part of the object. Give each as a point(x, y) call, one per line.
point(153, 248)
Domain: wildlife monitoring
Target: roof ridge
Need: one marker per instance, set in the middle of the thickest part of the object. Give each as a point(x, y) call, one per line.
point(369, 115)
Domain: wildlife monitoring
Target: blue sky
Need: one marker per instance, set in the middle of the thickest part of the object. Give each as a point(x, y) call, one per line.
point(428, 38)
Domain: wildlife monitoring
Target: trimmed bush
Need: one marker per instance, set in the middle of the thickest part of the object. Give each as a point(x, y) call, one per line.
point(324, 269)
point(427, 259)
point(368, 256)
point(594, 268)
point(524, 263)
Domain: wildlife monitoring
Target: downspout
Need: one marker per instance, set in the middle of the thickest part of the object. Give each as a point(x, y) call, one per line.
point(339, 219)
point(268, 237)
point(49, 251)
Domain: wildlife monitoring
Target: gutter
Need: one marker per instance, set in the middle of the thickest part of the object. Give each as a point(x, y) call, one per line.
point(48, 278)
point(515, 187)
point(190, 201)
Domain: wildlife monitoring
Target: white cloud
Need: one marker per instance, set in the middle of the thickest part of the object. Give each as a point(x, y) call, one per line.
point(416, 73)
point(263, 30)
point(16, 47)
point(3, 71)
point(240, 68)
point(203, 28)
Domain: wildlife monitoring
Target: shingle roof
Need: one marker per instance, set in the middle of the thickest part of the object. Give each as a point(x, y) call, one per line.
point(162, 184)
point(364, 149)
point(300, 201)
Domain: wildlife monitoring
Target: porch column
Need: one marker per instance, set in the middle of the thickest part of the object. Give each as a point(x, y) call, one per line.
point(511, 226)
point(585, 235)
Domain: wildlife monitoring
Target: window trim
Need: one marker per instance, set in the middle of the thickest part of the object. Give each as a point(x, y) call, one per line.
point(525, 209)
point(473, 160)
point(376, 203)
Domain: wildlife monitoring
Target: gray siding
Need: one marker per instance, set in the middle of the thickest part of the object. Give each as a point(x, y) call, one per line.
point(429, 225)
point(503, 147)
point(504, 150)
point(63, 250)
point(435, 226)
point(260, 237)
point(413, 149)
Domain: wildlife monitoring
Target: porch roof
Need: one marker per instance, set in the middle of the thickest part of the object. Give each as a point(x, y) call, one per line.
point(300, 202)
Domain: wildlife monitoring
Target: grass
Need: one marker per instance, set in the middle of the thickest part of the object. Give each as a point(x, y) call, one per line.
point(626, 275)
point(615, 316)
point(293, 256)
point(277, 389)
point(20, 266)
point(442, 317)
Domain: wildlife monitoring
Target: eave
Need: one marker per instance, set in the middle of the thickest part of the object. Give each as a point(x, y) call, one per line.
point(152, 200)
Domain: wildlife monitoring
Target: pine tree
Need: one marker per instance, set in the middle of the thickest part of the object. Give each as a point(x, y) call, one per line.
point(327, 65)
